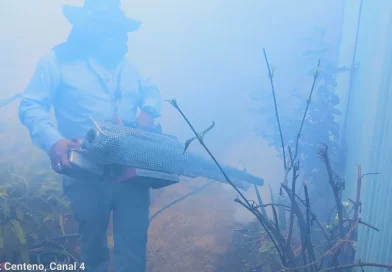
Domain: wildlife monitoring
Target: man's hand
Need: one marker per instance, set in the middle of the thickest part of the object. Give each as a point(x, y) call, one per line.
point(58, 154)
point(145, 120)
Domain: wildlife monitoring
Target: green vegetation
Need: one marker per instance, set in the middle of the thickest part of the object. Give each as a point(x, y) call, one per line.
point(32, 208)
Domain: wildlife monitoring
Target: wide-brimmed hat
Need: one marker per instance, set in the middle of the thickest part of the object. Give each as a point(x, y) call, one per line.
point(91, 15)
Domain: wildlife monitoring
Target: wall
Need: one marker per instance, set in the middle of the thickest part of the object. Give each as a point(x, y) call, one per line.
point(368, 126)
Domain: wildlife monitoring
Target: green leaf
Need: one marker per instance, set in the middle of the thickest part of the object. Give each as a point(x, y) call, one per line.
point(263, 249)
point(18, 231)
point(5, 209)
point(19, 213)
point(276, 220)
point(63, 202)
point(271, 194)
point(262, 208)
point(267, 246)
point(61, 223)
point(1, 238)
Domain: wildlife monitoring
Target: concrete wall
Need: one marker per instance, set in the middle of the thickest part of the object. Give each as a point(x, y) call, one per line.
point(368, 126)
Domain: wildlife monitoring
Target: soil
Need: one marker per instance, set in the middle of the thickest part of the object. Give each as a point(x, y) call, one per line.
point(195, 234)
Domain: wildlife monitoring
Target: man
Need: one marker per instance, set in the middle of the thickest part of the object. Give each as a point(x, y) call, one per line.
point(88, 77)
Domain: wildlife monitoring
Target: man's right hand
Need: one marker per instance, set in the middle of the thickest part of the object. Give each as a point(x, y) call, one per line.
point(58, 154)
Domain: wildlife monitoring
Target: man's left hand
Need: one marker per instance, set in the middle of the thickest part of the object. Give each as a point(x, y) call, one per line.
point(145, 120)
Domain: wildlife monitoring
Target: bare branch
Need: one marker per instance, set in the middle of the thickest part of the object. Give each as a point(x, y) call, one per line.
point(293, 202)
point(369, 174)
point(368, 225)
point(276, 205)
point(262, 207)
point(336, 189)
point(276, 237)
point(316, 74)
point(270, 75)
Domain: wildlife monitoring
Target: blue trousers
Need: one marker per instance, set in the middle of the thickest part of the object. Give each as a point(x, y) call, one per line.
point(91, 203)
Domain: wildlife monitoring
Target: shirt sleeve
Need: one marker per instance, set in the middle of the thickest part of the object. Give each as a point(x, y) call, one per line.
point(37, 102)
point(150, 97)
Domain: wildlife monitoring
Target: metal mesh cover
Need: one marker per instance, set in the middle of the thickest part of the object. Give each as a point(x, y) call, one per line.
point(138, 148)
point(113, 144)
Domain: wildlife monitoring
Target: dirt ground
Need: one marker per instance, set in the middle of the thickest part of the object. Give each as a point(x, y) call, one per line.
point(196, 234)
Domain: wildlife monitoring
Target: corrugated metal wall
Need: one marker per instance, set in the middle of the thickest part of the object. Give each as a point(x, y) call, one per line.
point(377, 191)
point(369, 127)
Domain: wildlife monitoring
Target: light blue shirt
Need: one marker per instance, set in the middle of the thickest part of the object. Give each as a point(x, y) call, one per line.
point(78, 92)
